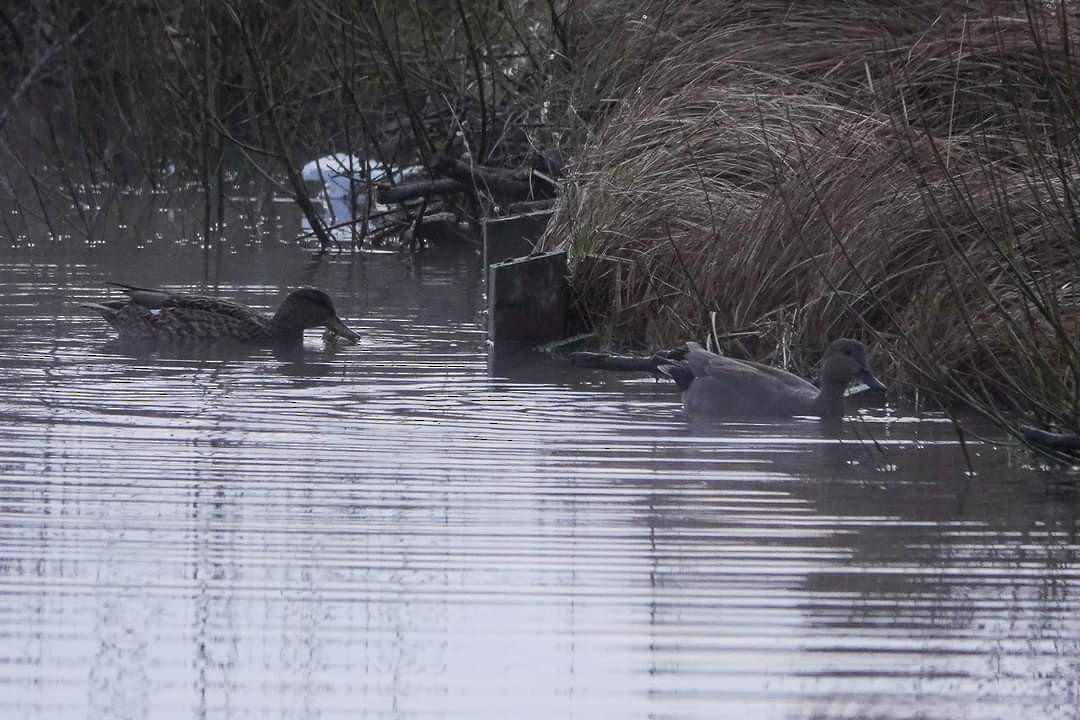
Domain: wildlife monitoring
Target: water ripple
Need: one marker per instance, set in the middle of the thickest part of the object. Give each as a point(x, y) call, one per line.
point(395, 530)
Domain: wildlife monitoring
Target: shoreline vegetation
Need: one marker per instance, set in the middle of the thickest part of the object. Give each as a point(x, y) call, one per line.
point(763, 174)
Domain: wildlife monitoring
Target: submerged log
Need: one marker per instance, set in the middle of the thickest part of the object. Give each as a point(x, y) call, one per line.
point(438, 227)
point(1051, 440)
point(625, 363)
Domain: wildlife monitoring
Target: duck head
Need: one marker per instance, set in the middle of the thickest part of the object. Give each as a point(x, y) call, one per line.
point(308, 308)
point(845, 361)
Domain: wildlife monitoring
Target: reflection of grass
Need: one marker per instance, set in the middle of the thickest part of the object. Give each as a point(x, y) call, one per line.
point(786, 175)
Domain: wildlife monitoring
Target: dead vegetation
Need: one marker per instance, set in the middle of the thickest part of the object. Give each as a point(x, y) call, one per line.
point(780, 174)
point(178, 94)
point(771, 173)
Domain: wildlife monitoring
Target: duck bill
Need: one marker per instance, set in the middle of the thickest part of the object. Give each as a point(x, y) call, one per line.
point(339, 328)
point(867, 378)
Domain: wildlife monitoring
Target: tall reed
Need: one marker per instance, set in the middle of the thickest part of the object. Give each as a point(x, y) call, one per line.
point(779, 175)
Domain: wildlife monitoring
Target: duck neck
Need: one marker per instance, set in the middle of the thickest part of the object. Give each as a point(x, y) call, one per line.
point(286, 325)
point(830, 400)
point(286, 319)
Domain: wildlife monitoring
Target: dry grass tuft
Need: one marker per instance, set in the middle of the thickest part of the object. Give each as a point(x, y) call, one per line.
point(782, 174)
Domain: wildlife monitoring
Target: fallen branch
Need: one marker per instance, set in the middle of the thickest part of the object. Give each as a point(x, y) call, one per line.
point(529, 206)
point(388, 195)
point(1052, 440)
point(500, 183)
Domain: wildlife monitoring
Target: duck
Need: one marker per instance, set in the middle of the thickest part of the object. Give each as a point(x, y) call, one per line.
point(720, 386)
point(155, 315)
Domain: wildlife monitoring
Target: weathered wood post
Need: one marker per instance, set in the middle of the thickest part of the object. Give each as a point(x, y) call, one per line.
point(513, 237)
point(527, 299)
point(527, 294)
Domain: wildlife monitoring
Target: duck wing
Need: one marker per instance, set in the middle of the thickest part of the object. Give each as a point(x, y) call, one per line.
point(783, 376)
point(153, 298)
point(179, 316)
point(709, 364)
point(157, 299)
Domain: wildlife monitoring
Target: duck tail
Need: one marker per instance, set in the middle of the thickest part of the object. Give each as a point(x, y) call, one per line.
point(679, 372)
point(147, 297)
point(109, 309)
point(125, 286)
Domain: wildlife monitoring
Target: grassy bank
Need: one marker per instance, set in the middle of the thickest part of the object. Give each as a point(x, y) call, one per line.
point(782, 174)
point(773, 174)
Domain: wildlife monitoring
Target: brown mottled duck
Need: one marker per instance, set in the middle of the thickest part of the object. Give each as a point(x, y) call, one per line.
point(715, 385)
point(159, 315)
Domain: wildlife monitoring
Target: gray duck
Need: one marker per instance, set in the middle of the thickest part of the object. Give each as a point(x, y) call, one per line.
point(720, 386)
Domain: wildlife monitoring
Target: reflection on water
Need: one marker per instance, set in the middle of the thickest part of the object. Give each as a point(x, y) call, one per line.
point(388, 530)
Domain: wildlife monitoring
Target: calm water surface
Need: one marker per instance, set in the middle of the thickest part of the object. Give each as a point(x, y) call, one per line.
point(407, 529)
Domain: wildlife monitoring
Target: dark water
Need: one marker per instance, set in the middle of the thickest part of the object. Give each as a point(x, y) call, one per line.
point(399, 530)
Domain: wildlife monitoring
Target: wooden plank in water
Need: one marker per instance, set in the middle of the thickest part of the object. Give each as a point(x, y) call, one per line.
point(513, 237)
point(527, 299)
